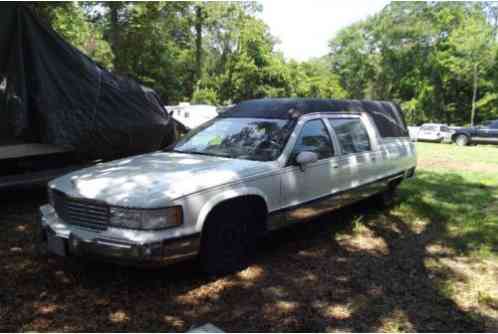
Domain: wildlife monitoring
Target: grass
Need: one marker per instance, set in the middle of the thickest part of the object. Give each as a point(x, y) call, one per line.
point(466, 201)
point(481, 153)
point(428, 264)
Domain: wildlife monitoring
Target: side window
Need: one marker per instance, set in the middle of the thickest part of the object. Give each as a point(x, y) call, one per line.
point(445, 129)
point(494, 125)
point(314, 137)
point(351, 134)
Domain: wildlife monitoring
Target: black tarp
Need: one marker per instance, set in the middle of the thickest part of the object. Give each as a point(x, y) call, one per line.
point(52, 93)
point(387, 115)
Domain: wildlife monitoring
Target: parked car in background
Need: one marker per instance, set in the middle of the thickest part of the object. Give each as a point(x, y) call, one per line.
point(485, 133)
point(259, 166)
point(434, 132)
point(413, 132)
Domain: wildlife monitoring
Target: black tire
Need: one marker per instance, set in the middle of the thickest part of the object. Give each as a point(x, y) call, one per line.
point(229, 239)
point(462, 140)
point(387, 198)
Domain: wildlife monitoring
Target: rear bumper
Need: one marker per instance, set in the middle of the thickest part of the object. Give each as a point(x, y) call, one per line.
point(433, 138)
point(68, 240)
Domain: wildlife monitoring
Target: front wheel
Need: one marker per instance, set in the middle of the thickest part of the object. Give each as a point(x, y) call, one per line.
point(229, 239)
point(462, 140)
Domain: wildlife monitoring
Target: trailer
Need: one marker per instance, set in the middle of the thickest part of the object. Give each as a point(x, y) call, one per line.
point(59, 110)
point(34, 163)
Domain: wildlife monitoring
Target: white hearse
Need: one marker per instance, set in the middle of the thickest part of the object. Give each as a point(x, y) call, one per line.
point(259, 166)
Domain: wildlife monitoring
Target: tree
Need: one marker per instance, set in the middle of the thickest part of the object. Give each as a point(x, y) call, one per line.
point(199, 22)
point(430, 57)
point(473, 46)
point(349, 52)
point(437, 59)
point(69, 20)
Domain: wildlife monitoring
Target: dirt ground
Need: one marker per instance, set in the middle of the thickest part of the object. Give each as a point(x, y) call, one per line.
point(360, 269)
point(313, 277)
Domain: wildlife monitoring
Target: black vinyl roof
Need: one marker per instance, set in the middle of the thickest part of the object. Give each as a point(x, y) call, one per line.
point(387, 115)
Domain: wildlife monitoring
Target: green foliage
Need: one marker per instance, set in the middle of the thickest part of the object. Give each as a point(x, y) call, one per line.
point(314, 79)
point(349, 52)
point(427, 56)
point(205, 96)
point(207, 52)
point(437, 59)
point(71, 23)
point(69, 19)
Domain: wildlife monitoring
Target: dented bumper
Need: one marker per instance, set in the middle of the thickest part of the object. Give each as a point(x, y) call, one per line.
point(115, 245)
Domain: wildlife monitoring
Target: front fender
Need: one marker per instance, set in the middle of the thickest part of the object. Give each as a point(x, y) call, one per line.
point(224, 196)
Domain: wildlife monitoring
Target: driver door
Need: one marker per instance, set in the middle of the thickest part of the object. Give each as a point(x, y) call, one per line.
point(490, 133)
point(303, 189)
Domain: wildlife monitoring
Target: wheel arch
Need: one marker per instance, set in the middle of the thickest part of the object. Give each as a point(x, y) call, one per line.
point(252, 195)
point(456, 134)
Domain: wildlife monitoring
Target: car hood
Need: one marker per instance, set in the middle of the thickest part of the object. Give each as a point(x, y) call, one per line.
point(154, 179)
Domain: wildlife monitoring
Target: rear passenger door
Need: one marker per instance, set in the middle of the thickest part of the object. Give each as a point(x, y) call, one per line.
point(363, 165)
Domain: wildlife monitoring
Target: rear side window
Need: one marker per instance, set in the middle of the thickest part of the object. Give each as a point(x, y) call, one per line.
point(352, 134)
point(314, 137)
point(431, 128)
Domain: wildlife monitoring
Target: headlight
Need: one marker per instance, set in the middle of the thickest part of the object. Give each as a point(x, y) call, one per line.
point(146, 219)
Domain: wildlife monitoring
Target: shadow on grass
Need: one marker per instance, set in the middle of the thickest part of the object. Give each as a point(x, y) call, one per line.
point(465, 213)
point(319, 276)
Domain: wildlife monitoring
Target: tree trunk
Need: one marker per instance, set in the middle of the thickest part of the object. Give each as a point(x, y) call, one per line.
point(114, 33)
point(198, 43)
point(474, 96)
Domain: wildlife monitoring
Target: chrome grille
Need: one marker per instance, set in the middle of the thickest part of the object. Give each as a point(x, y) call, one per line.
point(82, 212)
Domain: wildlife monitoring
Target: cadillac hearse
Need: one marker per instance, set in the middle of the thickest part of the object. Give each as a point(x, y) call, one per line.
point(258, 166)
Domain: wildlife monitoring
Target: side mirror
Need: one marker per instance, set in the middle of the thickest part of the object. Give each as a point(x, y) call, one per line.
point(305, 158)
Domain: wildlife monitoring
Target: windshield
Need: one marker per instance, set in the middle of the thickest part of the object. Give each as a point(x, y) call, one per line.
point(240, 138)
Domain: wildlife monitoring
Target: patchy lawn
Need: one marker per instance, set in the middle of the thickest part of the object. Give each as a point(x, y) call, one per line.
point(428, 264)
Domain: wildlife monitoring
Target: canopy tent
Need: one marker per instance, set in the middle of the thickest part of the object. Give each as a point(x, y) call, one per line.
point(51, 93)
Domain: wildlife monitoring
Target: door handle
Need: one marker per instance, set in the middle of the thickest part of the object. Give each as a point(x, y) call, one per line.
point(335, 165)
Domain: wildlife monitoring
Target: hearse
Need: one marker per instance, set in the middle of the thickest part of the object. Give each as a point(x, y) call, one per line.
point(259, 166)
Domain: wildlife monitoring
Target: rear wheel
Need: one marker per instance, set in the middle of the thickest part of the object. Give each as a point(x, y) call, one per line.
point(387, 198)
point(462, 140)
point(228, 239)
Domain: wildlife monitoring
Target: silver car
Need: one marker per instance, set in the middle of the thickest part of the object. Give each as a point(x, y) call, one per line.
point(227, 183)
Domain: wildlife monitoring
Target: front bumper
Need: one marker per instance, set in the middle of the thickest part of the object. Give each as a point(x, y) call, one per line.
point(115, 245)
